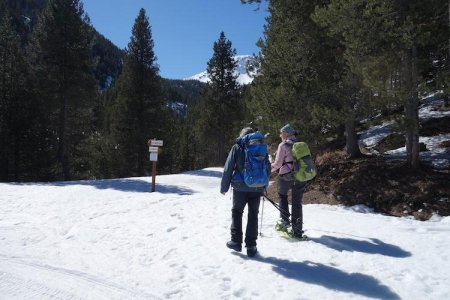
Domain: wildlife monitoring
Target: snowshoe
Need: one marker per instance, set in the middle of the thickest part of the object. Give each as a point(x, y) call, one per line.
point(298, 237)
point(282, 226)
point(302, 237)
point(289, 235)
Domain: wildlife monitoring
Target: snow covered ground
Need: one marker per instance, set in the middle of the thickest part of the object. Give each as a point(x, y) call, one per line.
point(112, 239)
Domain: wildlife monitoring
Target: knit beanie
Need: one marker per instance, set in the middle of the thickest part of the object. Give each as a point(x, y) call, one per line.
point(288, 129)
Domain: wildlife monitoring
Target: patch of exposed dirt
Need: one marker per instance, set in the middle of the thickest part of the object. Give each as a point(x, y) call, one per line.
point(435, 127)
point(391, 142)
point(387, 186)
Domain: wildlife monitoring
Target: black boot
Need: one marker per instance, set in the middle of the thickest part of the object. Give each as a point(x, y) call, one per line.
point(297, 227)
point(251, 251)
point(234, 246)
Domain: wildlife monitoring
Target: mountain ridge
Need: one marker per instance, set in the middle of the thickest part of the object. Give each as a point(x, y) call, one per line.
point(243, 77)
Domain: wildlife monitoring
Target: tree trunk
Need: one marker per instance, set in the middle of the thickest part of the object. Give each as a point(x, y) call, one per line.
point(4, 161)
point(222, 123)
point(447, 96)
point(412, 109)
point(16, 159)
point(62, 143)
point(4, 126)
point(221, 150)
point(351, 139)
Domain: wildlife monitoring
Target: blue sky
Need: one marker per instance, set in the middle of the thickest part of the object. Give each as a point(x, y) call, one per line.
point(183, 30)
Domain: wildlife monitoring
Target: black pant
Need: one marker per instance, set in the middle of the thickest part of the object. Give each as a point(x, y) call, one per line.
point(298, 188)
point(240, 199)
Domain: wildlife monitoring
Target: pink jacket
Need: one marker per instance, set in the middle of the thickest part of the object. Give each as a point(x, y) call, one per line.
point(284, 154)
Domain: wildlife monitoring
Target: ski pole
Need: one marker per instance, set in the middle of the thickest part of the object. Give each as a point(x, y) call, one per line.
point(274, 204)
point(279, 208)
point(262, 214)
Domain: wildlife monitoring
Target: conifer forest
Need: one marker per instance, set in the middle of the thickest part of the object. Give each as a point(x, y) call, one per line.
point(75, 106)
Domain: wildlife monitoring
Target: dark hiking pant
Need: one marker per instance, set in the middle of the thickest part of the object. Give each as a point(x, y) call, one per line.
point(298, 188)
point(240, 199)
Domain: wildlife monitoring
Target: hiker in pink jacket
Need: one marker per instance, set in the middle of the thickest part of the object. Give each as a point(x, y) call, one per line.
point(284, 161)
point(284, 164)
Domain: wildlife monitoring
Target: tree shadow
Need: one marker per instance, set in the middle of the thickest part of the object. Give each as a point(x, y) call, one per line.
point(329, 277)
point(172, 189)
point(123, 185)
point(373, 246)
point(207, 173)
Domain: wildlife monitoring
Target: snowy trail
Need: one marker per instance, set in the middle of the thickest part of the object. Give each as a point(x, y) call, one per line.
point(112, 239)
point(18, 279)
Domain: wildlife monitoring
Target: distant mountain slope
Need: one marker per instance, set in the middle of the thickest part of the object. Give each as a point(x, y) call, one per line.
point(107, 56)
point(108, 60)
point(243, 77)
point(181, 94)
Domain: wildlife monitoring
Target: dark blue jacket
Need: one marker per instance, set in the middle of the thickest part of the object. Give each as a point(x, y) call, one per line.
point(232, 170)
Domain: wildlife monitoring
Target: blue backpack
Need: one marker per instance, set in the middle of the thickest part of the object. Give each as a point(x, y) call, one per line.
point(255, 172)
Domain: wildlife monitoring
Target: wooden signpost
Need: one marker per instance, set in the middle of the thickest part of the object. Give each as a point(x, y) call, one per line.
point(154, 149)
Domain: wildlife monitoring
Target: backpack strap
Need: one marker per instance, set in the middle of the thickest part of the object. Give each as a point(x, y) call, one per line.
point(287, 162)
point(242, 147)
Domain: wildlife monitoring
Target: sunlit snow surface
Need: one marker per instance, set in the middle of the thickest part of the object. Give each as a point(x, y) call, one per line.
point(112, 239)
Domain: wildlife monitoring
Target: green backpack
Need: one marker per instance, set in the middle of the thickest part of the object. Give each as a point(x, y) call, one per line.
point(304, 167)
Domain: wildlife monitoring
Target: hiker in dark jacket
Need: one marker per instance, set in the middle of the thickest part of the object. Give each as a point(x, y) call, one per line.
point(284, 164)
point(242, 195)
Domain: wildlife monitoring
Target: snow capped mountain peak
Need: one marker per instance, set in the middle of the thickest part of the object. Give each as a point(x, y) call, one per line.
point(241, 70)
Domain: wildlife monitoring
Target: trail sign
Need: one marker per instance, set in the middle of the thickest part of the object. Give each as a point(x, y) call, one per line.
point(158, 143)
point(154, 156)
point(153, 149)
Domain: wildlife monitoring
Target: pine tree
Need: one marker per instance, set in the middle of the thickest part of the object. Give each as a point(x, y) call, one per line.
point(438, 73)
point(13, 114)
point(302, 79)
point(386, 44)
point(139, 111)
point(447, 78)
point(61, 57)
point(220, 108)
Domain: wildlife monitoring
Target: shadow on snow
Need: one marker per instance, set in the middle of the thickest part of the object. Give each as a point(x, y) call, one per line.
point(123, 185)
point(374, 246)
point(207, 173)
point(328, 277)
point(331, 278)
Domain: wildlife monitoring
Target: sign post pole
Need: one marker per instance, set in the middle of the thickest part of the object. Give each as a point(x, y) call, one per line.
point(153, 175)
point(154, 149)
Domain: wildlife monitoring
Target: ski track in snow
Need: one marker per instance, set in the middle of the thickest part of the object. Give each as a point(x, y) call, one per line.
point(56, 283)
